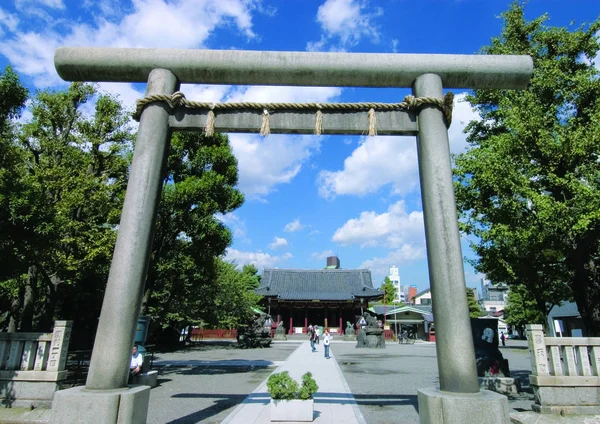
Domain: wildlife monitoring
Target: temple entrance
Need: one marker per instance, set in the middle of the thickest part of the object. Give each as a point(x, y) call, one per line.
point(164, 109)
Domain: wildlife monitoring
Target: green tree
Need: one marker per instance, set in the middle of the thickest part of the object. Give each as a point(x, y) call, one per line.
point(235, 295)
point(474, 308)
point(390, 290)
point(529, 186)
point(200, 181)
point(65, 206)
point(522, 309)
point(12, 100)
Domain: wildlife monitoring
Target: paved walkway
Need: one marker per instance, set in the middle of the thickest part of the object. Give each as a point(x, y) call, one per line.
point(334, 402)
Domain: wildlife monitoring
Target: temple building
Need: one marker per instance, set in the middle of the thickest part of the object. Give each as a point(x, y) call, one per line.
point(325, 297)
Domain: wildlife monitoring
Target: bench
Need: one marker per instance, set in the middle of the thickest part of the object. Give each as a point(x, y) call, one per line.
point(564, 376)
point(32, 366)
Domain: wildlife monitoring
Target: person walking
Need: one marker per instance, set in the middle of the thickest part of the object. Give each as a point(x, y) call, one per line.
point(503, 338)
point(317, 334)
point(311, 337)
point(326, 341)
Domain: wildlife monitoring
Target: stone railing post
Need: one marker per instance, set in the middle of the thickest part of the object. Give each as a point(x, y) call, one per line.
point(537, 349)
point(60, 345)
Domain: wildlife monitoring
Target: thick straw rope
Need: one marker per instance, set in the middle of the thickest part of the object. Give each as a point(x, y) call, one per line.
point(408, 103)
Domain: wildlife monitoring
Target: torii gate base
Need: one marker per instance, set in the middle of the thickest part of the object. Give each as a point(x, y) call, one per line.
point(106, 398)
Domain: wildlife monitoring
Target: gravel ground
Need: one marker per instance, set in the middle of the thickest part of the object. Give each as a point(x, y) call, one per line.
point(385, 382)
point(207, 382)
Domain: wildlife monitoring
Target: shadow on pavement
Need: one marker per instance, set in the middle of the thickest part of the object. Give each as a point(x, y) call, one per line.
point(221, 403)
point(210, 370)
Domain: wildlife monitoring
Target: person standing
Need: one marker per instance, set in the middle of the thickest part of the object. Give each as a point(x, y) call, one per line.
point(503, 338)
point(311, 337)
point(317, 334)
point(326, 341)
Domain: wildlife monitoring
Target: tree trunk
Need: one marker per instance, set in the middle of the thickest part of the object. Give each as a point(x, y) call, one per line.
point(14, 313)
point(46, 320)
point(586, 285)
point(29, 299)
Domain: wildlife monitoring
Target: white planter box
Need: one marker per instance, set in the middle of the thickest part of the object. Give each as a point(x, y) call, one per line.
point(292, 410)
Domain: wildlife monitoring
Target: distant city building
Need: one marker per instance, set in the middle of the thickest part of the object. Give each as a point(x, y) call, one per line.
point(422, 298)
point(412, 292)
point(395, 279)
point(494, 297)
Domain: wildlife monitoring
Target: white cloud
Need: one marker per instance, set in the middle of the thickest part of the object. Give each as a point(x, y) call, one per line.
point(278, 242)
point(266, 162)
point(322, 255)
point(236, 225)
point(150, 23)
point(393, 228)
point(406, 253)
point(462, 114)
point(259, 259)
point(8, 21)
point(24, 5)
point(348, 21)
point(376, 162)
point(379, 161)
point(293, 226)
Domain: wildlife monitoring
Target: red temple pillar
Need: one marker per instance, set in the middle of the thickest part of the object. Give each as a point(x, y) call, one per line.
point(306, 318)
point(341, 323)
point(291, 320)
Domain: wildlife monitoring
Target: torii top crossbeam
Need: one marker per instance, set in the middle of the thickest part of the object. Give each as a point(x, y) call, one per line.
point(293, 68)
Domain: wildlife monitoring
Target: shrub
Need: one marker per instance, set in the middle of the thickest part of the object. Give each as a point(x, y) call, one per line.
point(309, 387)
point(283, 387)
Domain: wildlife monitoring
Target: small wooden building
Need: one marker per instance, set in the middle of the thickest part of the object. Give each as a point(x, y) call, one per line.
point(325, 297)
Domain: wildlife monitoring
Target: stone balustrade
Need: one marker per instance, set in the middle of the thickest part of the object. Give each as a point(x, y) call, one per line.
point(565, 372)
point(32, 365)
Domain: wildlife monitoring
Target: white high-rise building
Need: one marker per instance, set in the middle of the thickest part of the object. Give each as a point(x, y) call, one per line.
point(395, 279)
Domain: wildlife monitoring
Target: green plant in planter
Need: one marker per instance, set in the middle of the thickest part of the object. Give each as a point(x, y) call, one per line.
point(309, 387)
point(283, 387)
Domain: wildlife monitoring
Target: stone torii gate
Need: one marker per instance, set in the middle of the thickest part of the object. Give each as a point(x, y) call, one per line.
point(106, 398)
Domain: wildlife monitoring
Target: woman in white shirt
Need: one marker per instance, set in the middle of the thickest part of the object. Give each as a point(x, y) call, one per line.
point(326, 341)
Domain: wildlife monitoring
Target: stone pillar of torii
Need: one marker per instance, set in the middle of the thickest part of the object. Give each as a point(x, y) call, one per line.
point(459, 398)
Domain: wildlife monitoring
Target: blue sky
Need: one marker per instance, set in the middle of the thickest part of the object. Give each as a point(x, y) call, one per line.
point(307, 197)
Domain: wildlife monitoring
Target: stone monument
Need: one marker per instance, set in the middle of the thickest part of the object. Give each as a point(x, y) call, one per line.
point(256, 333)
point(280, 332)
point(349, 332)
point(492, 369)
point(370, 335)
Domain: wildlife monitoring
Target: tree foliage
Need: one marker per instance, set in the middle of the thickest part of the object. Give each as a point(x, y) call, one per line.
point(474, 308)
point(522, 309)
point(63, 175)
point(528, 187)
point(390, 290)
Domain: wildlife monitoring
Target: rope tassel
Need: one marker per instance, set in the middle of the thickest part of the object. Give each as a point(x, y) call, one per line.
point(265, 128)
point(319, 122)
point(372, 123)
point(209, 127)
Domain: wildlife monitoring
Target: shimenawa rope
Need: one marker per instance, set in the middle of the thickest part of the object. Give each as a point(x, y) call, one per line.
point(408, 103)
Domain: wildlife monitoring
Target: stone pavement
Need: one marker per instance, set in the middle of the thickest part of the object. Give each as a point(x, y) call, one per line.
point(334, 402)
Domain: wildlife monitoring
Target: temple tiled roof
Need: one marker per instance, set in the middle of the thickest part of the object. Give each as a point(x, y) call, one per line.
point(322, 284)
